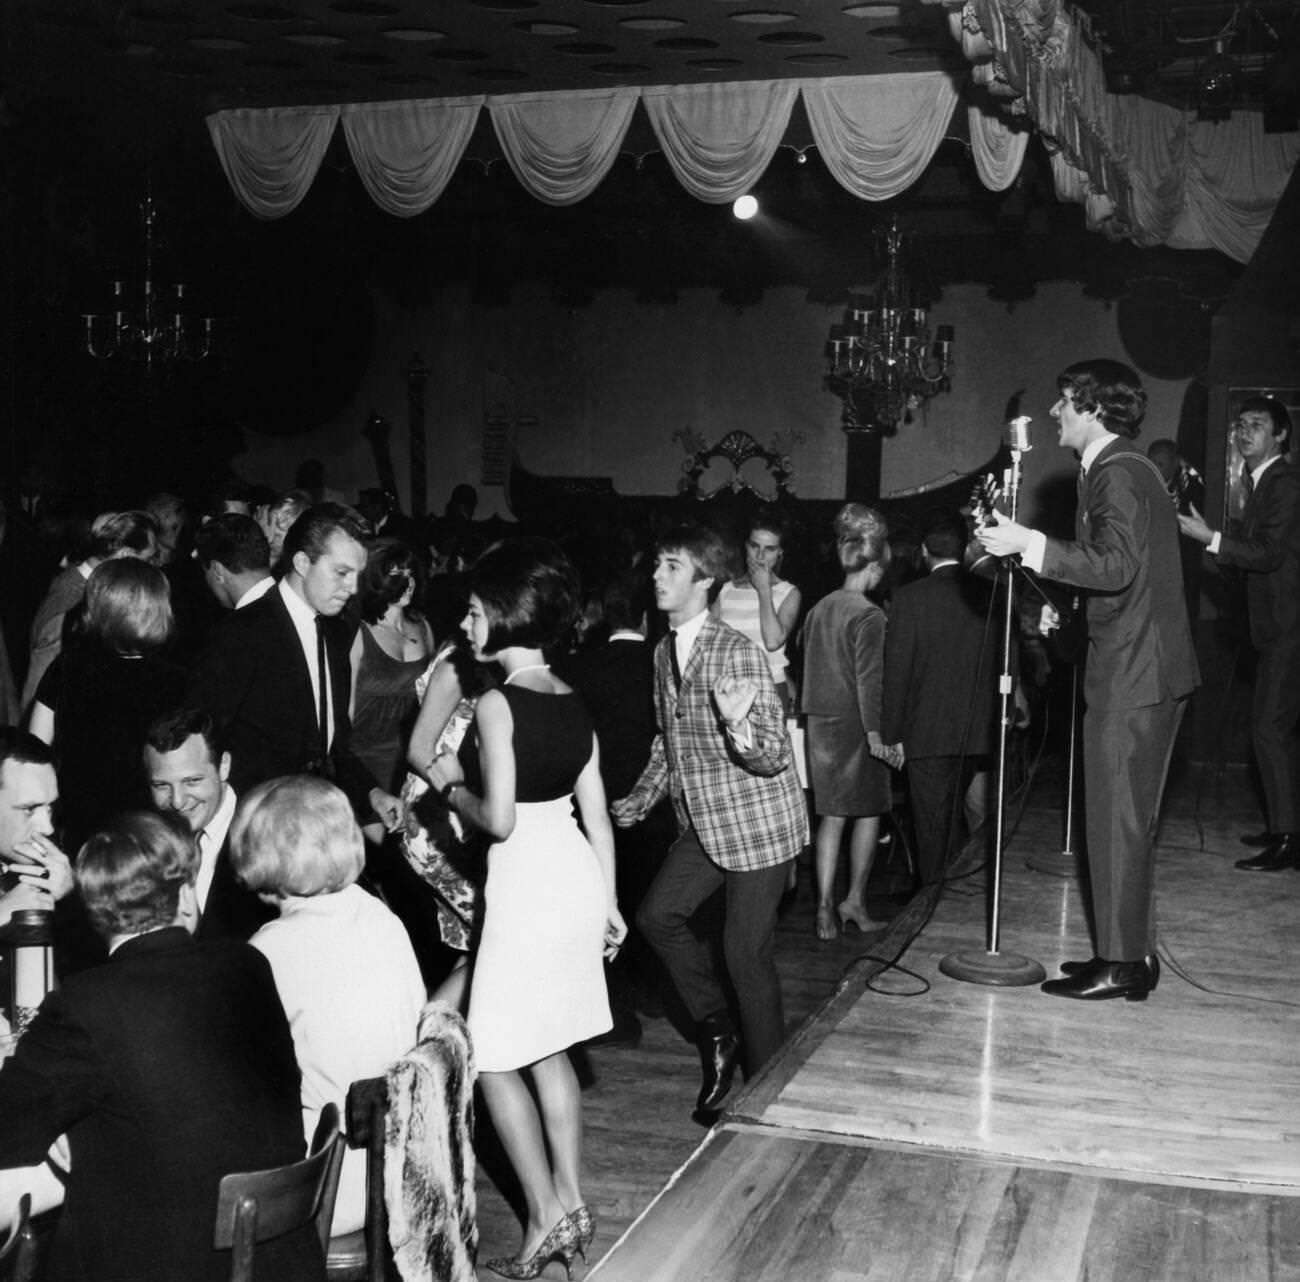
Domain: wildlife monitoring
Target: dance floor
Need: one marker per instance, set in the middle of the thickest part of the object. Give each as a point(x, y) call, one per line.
point(917, 1127)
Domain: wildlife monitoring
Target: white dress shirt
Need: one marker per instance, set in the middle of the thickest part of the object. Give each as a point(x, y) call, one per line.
point(303, 618)
point(258, 590)
point(209, 841)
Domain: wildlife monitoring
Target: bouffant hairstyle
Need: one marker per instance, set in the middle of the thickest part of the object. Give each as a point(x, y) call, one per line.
point(1276, 412)
point(1112, 389)
point(861, 537)
point(704, 548)
point(132, 533)
point(296, 836)
point(128, 606)
point(391, 567)
point(528, 590)
point(130, 873)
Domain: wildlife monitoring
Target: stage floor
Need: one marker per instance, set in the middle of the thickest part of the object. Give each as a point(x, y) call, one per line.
point(918, 1127)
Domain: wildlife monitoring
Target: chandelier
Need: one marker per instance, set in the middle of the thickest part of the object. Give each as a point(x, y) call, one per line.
point(157, 329)
point(880, 361)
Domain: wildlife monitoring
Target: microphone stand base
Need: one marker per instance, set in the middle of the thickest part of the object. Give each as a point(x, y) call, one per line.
point(999, 970)
point(1056, 863)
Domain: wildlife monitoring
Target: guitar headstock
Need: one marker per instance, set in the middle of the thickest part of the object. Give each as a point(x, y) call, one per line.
point(984, 499)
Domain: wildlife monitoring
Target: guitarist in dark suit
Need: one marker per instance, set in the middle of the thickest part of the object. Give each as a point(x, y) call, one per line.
point(276, 675)
point(1267, 551)
point(1140, 667)
point(187, 774)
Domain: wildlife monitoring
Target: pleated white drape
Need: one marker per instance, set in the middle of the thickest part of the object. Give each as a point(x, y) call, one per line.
point(561, 146)
point(271, 157)
point(406, 152)
point(720, 138)
point(878, 133)
point(1141, 169)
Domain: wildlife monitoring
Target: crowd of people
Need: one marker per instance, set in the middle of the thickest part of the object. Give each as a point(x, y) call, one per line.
point(306, 804)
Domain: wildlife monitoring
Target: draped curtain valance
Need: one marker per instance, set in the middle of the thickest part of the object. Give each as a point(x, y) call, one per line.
point(876, 133)
point(1141, 169)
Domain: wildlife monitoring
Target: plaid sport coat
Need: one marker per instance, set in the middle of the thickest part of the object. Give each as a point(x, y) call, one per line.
point(745, 803)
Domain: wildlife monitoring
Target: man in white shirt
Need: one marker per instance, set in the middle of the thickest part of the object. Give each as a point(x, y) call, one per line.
point(188, 775)
point(277, 676)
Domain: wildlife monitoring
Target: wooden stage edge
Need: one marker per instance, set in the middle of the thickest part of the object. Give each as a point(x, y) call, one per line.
point(991, 1133)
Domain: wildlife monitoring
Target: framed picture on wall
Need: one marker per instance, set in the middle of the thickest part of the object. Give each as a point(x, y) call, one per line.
point(1234, 498)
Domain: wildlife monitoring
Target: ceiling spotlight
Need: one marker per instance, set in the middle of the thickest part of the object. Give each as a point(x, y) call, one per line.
point(1215, 83)
point(745, 207)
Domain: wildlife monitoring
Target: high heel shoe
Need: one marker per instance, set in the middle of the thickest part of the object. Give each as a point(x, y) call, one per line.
point(584, 1227)
point(851, 915)
point(561, 1243)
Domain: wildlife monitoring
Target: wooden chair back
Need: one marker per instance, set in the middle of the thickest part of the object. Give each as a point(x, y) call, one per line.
point(256, 1206)
point(366, 1106)
point(18, 1256)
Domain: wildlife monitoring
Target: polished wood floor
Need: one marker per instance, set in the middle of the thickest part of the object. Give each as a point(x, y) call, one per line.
point(919, 1127)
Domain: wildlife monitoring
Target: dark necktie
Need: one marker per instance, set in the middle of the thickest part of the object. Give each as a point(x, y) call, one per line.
point(323, 674)
point(1247, 487)
point(676, 663)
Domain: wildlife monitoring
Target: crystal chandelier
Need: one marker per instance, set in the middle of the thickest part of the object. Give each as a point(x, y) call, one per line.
point(880, 361)
point(158, 328)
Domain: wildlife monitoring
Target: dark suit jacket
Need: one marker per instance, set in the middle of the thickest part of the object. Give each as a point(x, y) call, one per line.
point(1268, 550)
point(231, 911)
point(1126, 558)
point(253, 677)
point(167, 1067)
point(616, 681)
point(941, 663)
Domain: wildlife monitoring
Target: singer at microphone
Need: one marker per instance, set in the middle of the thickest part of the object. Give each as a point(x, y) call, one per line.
point(1140, 667)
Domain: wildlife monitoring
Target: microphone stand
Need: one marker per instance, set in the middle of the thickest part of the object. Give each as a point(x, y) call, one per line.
point(1001, 969)
point(1065, 862)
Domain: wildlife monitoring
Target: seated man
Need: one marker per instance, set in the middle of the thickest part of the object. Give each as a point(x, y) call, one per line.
point(166, 1067)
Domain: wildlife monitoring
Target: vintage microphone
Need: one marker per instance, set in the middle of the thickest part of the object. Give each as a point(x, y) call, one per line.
point(1002, 969)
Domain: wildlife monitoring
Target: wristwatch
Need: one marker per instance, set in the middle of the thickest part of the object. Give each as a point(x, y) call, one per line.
point(445, 791)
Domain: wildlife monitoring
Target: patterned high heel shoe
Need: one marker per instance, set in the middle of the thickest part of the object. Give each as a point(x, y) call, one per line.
point(561, 1243)
point(584, 1225)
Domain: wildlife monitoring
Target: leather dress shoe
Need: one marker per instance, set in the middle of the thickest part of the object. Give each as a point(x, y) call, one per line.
point(1261, 838)
point(719, 1056)
point(1282, 854)
point(1151, 961)
point(1101, 980)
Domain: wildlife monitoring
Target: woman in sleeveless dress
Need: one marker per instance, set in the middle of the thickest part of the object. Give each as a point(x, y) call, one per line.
point(391, 650)
point(550, 910)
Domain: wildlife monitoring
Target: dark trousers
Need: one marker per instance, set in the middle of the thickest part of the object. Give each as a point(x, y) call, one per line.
point(936, 789)
point(689, 877)
point(1126, 755)
point(1275, 711)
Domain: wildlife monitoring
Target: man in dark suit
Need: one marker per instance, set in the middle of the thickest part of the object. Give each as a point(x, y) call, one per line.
point(616, 682)
point(1267, 551)
point(940, 690)
point(723, 755)
point(188, 773)
point(1140, 667)
point(277, 677)
point(166, 1068)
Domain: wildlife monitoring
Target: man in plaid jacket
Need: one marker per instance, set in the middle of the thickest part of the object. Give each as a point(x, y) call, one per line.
point(723, 756)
